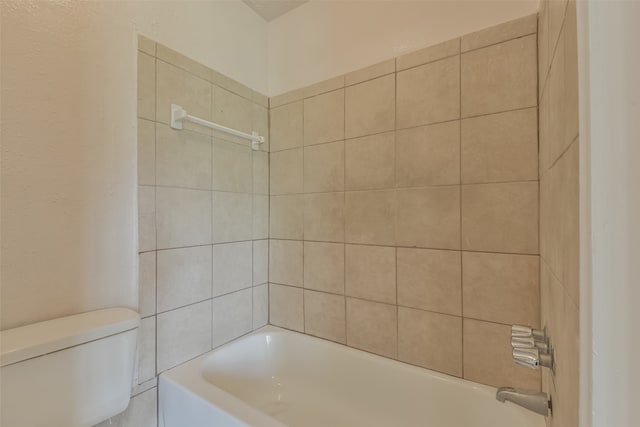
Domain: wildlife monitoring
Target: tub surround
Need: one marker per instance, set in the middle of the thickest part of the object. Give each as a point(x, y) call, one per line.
point(404, 205)
point(559, 203)
point(203, 217)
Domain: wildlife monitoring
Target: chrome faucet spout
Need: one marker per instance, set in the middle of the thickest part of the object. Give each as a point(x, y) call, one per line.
point(537, 402)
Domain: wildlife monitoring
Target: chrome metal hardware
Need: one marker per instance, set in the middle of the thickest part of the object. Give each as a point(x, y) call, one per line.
point(532, 358)
point(526, 331)
point(537, 402)
point(531, 348)
point(522, 342)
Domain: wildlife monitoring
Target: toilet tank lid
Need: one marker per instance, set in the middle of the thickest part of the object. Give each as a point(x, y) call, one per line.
point(37, 339)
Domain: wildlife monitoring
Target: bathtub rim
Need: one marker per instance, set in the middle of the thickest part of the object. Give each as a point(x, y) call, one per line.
point(191, 373)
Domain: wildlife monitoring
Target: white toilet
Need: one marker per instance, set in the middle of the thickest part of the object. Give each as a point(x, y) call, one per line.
point(74, 371)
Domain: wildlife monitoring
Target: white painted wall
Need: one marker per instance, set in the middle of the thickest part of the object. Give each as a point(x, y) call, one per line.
point(68, 165)
point(323, 39)
point(610, 189)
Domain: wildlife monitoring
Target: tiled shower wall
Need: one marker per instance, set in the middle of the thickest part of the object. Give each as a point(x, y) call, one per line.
point(203, 225)
point(559, 199)
point(404, 206)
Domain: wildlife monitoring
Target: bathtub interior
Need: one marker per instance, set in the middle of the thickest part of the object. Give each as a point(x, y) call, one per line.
point(300, 380)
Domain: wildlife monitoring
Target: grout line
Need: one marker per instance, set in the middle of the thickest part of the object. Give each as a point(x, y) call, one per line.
point(204, 300)
point(395, 210)
point(500, 42)
point(408, 127)
point(344, 217)
point(428, 62)
point(566, 149)
point(460, 212)
point(304, 316)
point(155, 215)
point(205, 244)
point(409, 247)
point(420, 187)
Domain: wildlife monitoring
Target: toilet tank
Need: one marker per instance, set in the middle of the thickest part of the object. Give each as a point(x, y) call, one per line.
point(74, 371)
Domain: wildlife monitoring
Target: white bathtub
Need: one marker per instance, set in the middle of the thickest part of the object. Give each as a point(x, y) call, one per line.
point(275, 377)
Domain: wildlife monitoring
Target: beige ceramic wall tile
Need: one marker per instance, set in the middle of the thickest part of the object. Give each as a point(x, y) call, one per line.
point(428, 155)
point(543, 46)
point(231, 267)
point(501, 77)
point(372, 326)
point(557, 10)
point(369, 217)
point(557, 104)
point(430, 340)
point(146, 152)
point(368, 73)
point(232, 167)
point(324, 217)
point(141, 412)
point(559, 229)
point(324, 267)
point(324, 167)
point(370, 162)
point(233, 86)
point(429, 54)
point(183, 158)
point(563, 94)
point(260, 172)
point(183, 217)
point(571, 73)
point(429, 93)
point(231, 110)
point(183, 334)
point(176, 86)
point(500, 33)
point(260, 124)
point(500, 217)
point(175, 58)
point(147, 283)
point(184, 276)
point(501, 288)
point(260, 261)
point(562, 320)
point(285, 262)
point(285, 129)
point(260, 216)
point(324, 86)
point(146, 218)
point(488, 360)
point(324, 118)
point(429, 217)
point(371, 273)
point(543, 134)
point(232, 316)
point(232, 217)
point(370, 107)
point(286, 98)
point(285, 170)
point(324, 316)
point(286, 307)
point(260, 306)
point(146, 86)
point(430, 280)
point(500, 147)
point(147, 349)
point(146, 45)
point(286, 217)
